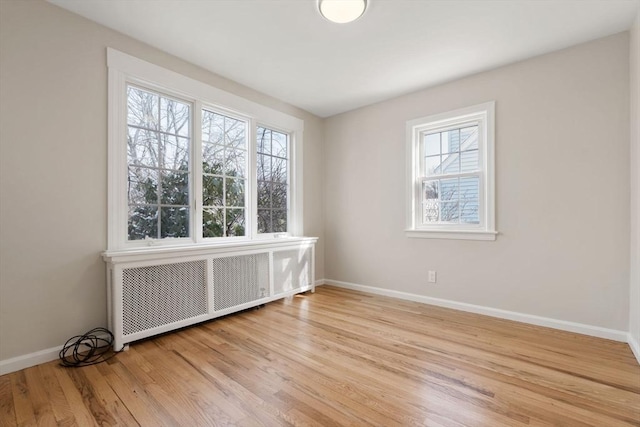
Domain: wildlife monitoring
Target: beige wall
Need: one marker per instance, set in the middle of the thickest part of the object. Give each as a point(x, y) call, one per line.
point(634, 296)
point(53, 170)
point(562, 174)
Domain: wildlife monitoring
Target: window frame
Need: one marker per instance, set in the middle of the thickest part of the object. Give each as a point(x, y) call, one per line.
point(123, 70)
point(484, 116)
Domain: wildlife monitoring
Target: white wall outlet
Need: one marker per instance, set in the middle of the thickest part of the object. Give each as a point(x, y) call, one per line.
point(432, 276)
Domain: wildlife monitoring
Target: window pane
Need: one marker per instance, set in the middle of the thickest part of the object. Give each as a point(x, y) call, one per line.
point(175, 152)
point(449, 211)
point(430, 201)
point(212, 190)
point(469, 200)
point(279, 219)
point(449, 141)
point(469, 213)
point(143, 186)
point(235, 133)
point(278, 170)
point(264, 140)
point(143, 222)
point(235, 162)
point(264, 167)
point(449, 189)
point(174, 222)
point(432, 144)
point(235, 222)
point(212, 222)
point(174, 117)
point(264, 195)
point(142, 147)
point(235, 192)
point(279, 196)
point(450, 163)
point(142, 108)
point(279, 144)
point(264, 221)
point(469, 188)
point(212, 158)
point(212, 127)
point(469, 161)
point(432, 165)
point(175, 188)
point(469, 138)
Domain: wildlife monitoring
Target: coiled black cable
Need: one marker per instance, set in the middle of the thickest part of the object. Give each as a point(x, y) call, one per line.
point(90, 348)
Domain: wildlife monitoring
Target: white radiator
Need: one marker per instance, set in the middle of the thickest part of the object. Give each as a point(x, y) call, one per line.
point(156, 291)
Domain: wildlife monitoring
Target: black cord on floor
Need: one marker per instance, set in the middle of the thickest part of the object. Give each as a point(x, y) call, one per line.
point(90, 348)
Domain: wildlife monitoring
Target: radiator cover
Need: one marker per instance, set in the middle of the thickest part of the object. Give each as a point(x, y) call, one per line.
point(152, 291)
point(158, 295)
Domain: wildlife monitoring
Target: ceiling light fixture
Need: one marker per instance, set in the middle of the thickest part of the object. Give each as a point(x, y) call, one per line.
point(342, 11)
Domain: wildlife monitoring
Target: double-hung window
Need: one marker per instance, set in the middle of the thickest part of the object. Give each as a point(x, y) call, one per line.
point(450, 171)
point(192, 164)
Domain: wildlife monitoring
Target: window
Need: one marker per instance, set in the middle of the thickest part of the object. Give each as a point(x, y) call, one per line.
point(158, 145)
point(191, 164)
point(273, 160)
point(451, 175)
point(224, 177)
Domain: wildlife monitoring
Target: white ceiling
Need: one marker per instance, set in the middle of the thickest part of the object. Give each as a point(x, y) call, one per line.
point(284, 48)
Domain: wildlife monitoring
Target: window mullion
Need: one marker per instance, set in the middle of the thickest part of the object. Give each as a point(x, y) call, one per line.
point(159, 178)
point(476, 172)
point(251, 204)
point(196, 172)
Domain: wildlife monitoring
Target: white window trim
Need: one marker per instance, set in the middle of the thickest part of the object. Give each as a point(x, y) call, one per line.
point(124, 69)
point(484, 114)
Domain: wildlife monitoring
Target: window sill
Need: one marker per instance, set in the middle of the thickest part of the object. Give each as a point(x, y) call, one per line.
point(199, 249)
point(452, 234)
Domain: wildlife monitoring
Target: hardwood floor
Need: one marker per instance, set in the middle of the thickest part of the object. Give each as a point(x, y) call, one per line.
point(340, 357)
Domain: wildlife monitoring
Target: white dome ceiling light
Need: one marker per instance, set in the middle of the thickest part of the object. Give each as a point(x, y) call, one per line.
point(342, 11)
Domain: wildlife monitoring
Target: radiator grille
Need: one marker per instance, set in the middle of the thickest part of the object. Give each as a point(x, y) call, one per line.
point(162, 294)
point(291, 270)
point(240, 279)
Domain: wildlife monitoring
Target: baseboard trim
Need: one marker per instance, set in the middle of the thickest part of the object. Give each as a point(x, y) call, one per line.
point(635, 347)
point(28, 360)
point(595, 331)
point(43, 356)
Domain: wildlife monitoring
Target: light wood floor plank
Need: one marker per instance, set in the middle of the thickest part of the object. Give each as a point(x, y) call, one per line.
point(7, 411)
point(341, 358)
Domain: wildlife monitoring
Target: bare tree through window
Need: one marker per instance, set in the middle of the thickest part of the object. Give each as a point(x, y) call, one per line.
point(451, 187)
point(158, 146)
point(273, 185)
point(224, 160)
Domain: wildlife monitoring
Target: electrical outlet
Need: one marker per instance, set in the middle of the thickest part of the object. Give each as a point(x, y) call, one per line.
point(432, 276)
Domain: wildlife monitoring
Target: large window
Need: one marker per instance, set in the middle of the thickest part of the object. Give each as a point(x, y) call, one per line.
point(189, 163)
point(450, 172)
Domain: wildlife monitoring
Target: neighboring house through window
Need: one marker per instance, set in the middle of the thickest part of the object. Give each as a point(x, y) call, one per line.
point(450, 172)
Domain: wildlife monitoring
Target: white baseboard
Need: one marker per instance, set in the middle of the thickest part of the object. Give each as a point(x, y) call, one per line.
point(595, 331)
point(28, 360)
point(43, 356)
point(635, 347)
